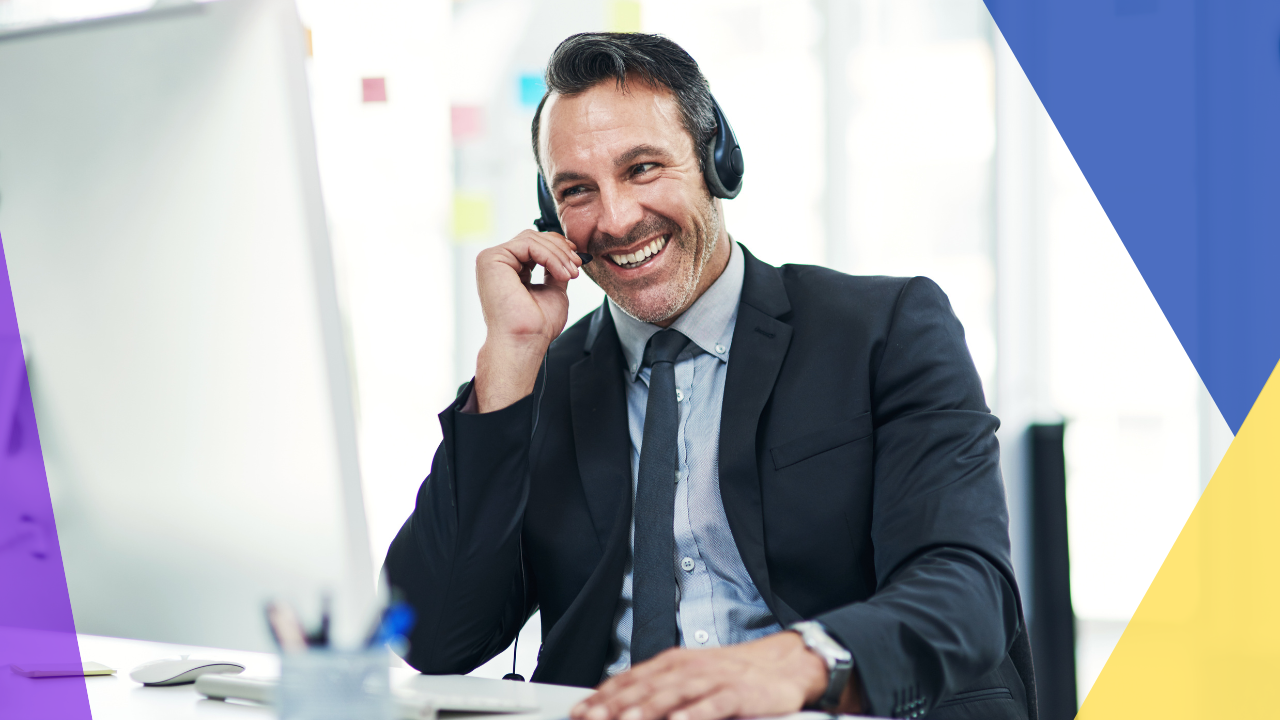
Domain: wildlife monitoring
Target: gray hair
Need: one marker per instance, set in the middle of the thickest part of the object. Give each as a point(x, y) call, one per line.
point(584, 60)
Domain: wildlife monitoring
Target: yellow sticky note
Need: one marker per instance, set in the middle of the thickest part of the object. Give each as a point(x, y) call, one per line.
point(624, 16)
point(472, 215)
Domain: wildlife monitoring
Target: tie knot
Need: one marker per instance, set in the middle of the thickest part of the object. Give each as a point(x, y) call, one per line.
point(664, 346)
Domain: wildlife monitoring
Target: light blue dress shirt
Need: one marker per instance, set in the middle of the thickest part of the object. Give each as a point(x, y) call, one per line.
point(718, 602)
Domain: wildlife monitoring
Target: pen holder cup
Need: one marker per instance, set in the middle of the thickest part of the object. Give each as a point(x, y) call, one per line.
point(335, 685)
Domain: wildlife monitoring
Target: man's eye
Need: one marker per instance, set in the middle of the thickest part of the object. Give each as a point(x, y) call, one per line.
point(643, 168)
point(576, 189)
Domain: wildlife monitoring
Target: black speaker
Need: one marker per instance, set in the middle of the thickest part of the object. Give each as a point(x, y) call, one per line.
point(1053, 622)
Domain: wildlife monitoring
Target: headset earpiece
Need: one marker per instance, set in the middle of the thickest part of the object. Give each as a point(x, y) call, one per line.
point(722, 169)
point(549, 222)
point(722, 163)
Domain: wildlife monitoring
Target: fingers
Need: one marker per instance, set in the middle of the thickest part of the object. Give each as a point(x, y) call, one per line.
point(751, 679)
point(718, 705)
point(618, 683)
point(673, 697)
point(653, 689)
point(522, 253)
point(674, 694)
point(646, 699)
point(550, 250)
point(555, 254)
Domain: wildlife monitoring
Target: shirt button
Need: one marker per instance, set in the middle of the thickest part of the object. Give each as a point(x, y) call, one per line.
point(687, 564)
point(701, 636)
point(720, 349)
point(679, 395)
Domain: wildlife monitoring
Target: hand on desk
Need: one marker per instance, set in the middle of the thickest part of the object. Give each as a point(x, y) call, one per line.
point(774, 675)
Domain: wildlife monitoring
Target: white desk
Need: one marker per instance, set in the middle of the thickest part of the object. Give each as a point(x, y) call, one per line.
point(116, 697)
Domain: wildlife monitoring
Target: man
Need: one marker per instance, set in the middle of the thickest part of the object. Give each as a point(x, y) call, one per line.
point(721, 452)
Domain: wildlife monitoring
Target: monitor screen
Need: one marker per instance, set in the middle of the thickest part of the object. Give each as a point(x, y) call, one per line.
point(161, 216)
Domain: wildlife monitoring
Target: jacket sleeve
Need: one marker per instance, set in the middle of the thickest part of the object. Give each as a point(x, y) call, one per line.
point(946, 608)
point(458, 559)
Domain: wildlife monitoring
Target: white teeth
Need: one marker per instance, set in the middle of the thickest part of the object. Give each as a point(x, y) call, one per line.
point(642, 254)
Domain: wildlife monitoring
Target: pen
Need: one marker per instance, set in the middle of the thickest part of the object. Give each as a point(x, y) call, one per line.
point(396, 623)
point(285, 627)
point(320, 638)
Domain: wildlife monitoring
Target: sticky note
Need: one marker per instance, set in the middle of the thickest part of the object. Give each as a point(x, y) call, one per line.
point(532, 88)
point(472, 215)
point(624, 16)
point(375, 89)
point(467, 122)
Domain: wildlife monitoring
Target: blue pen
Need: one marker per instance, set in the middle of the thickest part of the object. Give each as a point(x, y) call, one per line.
point(396, 623)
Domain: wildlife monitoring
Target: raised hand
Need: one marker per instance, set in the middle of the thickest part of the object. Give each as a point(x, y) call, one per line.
point(521, 317)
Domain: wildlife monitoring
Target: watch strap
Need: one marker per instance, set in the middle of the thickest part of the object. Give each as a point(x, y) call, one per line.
point(837, 658)
point(837, 681)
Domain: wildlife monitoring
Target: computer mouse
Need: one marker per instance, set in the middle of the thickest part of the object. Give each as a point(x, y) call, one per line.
point(182, 670)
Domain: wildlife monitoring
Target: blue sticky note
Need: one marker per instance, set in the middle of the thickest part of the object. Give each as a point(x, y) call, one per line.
point(532, 89)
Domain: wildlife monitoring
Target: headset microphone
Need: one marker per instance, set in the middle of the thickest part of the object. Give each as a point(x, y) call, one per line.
point(722, 169)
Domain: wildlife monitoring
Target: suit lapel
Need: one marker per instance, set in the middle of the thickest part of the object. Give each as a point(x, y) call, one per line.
point(602, 442)
point(760, 343)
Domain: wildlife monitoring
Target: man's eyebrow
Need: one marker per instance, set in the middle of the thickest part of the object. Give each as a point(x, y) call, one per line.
point(562, 177)
point(638, 151)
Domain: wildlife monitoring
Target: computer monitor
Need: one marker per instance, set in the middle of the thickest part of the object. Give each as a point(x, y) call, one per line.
point(161, 215)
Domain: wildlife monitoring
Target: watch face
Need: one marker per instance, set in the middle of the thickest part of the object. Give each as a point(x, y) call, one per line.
point(822, 643)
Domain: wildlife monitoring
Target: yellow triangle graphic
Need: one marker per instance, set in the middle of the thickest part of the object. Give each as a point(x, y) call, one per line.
point(1205, 641)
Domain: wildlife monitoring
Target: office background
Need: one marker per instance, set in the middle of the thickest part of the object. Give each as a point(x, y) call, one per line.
point(881, 136)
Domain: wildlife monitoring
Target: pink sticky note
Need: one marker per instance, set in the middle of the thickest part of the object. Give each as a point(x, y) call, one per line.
point(375, 89)
point(468, 122)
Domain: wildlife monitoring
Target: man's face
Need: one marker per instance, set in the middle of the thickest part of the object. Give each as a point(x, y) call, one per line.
point(626, 180)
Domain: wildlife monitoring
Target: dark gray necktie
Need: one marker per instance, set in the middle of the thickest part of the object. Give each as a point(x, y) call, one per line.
point(653, 586)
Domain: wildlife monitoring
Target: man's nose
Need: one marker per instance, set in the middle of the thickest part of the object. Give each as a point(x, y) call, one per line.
point(619, 212)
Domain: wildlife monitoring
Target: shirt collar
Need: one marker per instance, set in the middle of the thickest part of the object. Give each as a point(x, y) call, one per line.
point(708, 322)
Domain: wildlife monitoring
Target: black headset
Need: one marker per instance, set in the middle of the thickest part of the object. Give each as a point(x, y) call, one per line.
point(722, 168)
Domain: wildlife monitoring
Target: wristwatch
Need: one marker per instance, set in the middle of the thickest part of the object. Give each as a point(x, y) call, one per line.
point(839, 661)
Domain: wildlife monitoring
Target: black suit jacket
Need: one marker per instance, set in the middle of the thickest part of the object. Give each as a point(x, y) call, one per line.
point(860, 476)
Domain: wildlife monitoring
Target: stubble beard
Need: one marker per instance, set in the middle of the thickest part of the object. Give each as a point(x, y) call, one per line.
point(700, 244)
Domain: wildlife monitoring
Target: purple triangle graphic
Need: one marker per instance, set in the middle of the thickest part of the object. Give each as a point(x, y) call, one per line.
point(36, 624)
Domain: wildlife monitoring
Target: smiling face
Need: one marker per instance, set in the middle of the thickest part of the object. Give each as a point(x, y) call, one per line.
point(629, 190)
